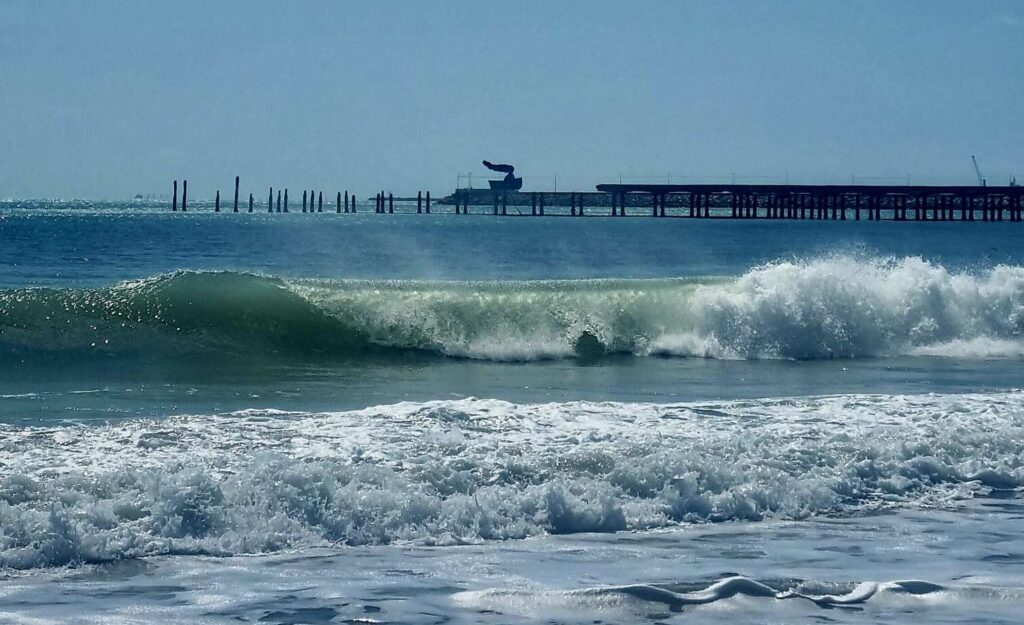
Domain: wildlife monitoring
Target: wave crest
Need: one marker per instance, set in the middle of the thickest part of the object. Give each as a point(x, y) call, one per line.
point(841, 307)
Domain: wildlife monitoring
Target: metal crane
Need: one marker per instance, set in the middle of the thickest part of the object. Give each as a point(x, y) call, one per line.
point(977, 172)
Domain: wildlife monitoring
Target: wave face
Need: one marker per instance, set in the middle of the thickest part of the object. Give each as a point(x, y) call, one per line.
point(841, 307)
point(451, 472)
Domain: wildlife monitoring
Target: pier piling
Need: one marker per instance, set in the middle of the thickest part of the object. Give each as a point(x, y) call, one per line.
point(216, 203)
point(235, 206)
point(428, 201)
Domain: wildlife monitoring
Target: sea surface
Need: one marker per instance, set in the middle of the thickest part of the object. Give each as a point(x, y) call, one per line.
point(324, 418)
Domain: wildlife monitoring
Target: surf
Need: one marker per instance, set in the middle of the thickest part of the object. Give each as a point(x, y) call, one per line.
point(826, 308)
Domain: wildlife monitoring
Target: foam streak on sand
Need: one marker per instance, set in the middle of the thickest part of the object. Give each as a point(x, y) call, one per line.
point(647, 596)
point(450, 472)
point(836, 307)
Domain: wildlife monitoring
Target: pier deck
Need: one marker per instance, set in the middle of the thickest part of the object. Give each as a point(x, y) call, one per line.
point(775, 201)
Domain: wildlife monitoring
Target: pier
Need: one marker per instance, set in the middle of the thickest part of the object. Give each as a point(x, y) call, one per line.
point(693, 201)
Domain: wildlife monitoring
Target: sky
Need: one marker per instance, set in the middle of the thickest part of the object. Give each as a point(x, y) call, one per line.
point(106, 99)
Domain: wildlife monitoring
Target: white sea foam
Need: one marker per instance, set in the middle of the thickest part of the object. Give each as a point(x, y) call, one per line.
point(451, 472)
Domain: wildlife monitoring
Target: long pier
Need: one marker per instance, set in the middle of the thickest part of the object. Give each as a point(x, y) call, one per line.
point(697, 201)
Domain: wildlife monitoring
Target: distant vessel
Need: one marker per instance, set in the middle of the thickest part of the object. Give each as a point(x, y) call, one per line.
point(509, 182)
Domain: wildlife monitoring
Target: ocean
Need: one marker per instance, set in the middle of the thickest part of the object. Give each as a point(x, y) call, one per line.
point(222, 418)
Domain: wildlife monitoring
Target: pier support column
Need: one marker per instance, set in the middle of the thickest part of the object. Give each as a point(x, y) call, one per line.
point(236, 195)
point(391, 202)
point(654, 199)
point(303, 200)
point(533, 204)
point(661, 210)
point(337, 203)
point(572, 204)
point(174, 198)
point(504, 202)
point(270, 200)
point(579, 205)
point(419, 202)
point(540, 205)
point(184, 196)
point(216, 203)
point(250, 202)
point(428, 201)
point(346, 201)
point(319, 201)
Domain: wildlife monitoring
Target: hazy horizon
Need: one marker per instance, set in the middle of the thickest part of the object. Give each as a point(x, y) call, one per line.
point(111, 99)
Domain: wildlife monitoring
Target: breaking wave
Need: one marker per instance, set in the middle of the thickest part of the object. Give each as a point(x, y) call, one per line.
point(454, 472)
point(841, 307)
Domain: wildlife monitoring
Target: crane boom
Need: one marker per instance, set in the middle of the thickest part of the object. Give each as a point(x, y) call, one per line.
point(977, 172)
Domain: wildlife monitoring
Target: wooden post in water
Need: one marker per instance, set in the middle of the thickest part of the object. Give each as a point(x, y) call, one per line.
point(286, 199)
point(572, 204)
point(579, 205)
point(391, 202)
point(303, 200)
point(270, 200)
point(250, 202)
point(174, 198)
point(353, 202)
point(540, 205)
point(236, 195)
point(419, 202)
point(346, 200)
point(337, 204)
point(216, 203)
point(184, 195)
point(319, 201)
point(428, 201)
point(279, 200)
point(533, 203)
point(504, 202)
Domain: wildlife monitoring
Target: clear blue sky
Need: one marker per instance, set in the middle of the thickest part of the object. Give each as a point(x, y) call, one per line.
point(104, 99)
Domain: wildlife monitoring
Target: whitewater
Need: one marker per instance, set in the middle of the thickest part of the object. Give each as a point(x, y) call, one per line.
point(840, 307)
point(293, 419)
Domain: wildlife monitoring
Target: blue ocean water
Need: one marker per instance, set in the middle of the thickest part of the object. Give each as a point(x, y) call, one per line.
point(507, 419)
